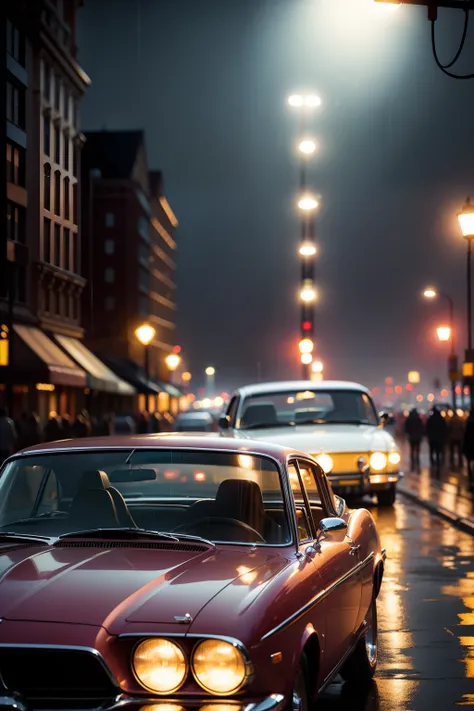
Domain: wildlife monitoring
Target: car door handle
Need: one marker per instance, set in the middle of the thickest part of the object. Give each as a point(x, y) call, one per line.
point(354, 549)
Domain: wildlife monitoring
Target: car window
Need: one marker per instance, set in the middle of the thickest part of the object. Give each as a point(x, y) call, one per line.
point(232, 410)
point(302, 516)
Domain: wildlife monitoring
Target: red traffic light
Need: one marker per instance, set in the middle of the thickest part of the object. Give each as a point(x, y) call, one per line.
point(306, 325)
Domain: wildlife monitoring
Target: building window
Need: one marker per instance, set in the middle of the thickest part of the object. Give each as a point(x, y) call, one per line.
point(144, 305)
point(75, 159)
point(75, 113)
point(47, 186)
point(67, 249)
point(66, 199)
point(74, 203)
point(16, 105)
point(109, 246)
point(57, 93)
point(109, 275)
point(47, 240)
point(57, 245)
point(57, 192)
point(66, 104)
point(109, 219)
point(15, 164)
point(75, 255)
point(109, 303)
point(66, 150)
point(16, 44)
point(47, 82)
point(47, 135)
point(16, 223)
point(57, 144)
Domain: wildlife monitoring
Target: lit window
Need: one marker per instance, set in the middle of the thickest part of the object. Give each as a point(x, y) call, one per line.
point(109, 219)
point(109, 246)
point(109, 275)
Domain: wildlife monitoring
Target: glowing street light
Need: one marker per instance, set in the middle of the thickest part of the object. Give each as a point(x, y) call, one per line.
point(210, 370)
point(466, 220)
point(414, 377)
point(308, 292)
point(306, 345)
point(308, 203)
point(444, 333)
point(430, 293)
point(307, 249)
point(317, 367)
point(306, 358)
point(304, 100)
point(172, 361)
point(307, 147)
point(145, 334)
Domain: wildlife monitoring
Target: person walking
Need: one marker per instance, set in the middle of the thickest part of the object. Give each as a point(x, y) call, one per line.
point(415, 431)
point(456, 427)
point(437, 431)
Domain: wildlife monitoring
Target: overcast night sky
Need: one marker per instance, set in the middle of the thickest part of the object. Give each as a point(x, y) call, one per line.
point(208, 80)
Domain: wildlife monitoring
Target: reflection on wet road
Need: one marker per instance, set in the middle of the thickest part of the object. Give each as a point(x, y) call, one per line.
point(426, 618)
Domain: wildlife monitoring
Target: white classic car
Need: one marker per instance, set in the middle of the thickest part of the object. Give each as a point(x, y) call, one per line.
point(335, 422)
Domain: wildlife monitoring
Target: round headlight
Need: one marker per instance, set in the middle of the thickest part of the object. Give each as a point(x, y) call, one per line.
point(378, 461)
point(160, 665)
point(325, 462)
point(394, 458)
point(219, 667)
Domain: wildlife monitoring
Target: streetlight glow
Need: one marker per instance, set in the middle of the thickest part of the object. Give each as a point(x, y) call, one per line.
point(444, 333)
point(296, 100)
point(308, 100)
point(308, 292)
point(430, 293)
point(317, 367)
point(145, 334)
point(306, 345)
point(307, 249)
point(308, 202)
point(307, 147)
point(466, 220)
point(306, 358)
point(210, 371)
point(172, 361)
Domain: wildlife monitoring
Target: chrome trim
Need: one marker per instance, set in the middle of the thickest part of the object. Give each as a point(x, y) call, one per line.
point(148, 688)
point(249, 669)
point(70, 648)
point(184, 619)
point(318, 598)
point(384, 554)
point(12, 702)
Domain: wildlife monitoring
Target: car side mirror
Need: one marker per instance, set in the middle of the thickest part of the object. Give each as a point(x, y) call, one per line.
point(384, 418)
point(331, 525)
point(224, 422)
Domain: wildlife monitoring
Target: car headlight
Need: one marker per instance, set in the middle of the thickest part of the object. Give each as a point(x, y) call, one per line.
point(219, 666)
point(378, 461)
point(325, 462)
point(394, 458)
point(160, 665)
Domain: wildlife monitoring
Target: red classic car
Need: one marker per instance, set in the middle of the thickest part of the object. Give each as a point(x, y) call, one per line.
point(182, 570)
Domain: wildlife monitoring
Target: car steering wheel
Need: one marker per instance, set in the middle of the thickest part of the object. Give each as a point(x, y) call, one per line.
point(188, 527)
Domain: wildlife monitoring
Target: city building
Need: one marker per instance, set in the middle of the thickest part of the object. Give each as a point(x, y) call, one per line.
point(44, 366)
point(130, 262)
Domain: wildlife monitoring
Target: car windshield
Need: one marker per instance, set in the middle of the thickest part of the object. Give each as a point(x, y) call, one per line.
point(307, 407)
point(222, 497)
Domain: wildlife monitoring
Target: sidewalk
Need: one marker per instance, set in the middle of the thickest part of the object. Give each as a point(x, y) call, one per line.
point(444, 494)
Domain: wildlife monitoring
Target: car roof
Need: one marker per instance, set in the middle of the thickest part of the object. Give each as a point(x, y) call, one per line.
point(171, 440)
point(300, 385)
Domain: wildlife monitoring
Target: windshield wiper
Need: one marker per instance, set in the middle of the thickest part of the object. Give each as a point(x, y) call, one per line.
point(46, 514)
point(267, 426)
point(13, 535)
point(120, 533)
point(198, 539)
point(334, 422)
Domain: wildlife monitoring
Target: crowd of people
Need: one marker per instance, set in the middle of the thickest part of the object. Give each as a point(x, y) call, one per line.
point(449, 436)
point(27, 430)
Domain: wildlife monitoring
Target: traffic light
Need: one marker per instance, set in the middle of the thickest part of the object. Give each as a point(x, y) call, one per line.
point(306, 345)
point(306, 326)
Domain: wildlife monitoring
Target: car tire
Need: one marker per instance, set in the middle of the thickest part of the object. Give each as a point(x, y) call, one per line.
point(299, 699)
point(387, 497)
point(361, 665)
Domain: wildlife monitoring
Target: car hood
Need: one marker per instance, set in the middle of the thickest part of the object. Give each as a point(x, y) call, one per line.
point(115, 585)
point(325, 438)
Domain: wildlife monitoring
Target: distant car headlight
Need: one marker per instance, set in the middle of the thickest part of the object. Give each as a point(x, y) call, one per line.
point(160, 665)
point(394, 458)
point(325, 462)
point(219, 667)
point(378, 461)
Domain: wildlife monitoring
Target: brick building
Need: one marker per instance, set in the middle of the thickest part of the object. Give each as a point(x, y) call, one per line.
point(44, 366)
point(131, 261)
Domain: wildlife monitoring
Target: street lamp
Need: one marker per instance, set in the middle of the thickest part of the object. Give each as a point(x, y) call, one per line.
point(308, 203)
point(172, 361)
point(446, 334)
point(308, 292)
point(145, 335)
point(307, 147)
point(307, 249)
point(306, 345)
point(306, 358)
point(466, 222)
point(210, 376)
point(309, 101)
point(317, 367)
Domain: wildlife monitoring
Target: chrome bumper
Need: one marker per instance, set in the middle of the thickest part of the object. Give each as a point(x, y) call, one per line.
point(273, 702)
point(384, 480)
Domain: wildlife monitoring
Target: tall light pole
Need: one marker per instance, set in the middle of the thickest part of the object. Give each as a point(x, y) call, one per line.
point(307, 204)
point(210, 380)
point(431, 293)
point(466, 221)
point(145, 335)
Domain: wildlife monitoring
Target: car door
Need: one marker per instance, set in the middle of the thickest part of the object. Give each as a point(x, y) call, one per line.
point(336, 559)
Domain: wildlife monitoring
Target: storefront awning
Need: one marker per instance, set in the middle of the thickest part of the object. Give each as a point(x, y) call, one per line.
point(132, 373)
point(38, 359)
point(171, 390)
point(99, 376)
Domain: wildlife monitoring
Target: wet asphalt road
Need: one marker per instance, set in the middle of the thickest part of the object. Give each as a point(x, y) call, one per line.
point(426, 618)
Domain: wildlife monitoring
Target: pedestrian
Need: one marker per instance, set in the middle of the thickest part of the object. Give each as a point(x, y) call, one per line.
point(31, 432)
point(468, 448)
point(53, 430)
point(456, 427)
point(415, 431)
point(437, 431)
point(8, 435)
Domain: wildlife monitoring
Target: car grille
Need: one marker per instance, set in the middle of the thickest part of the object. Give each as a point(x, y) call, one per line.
point(50, 676)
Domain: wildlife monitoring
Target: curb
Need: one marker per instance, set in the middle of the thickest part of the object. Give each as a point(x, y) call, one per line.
point(464, 524)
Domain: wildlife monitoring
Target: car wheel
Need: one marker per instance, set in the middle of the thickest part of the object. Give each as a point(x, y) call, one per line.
point(360, 667)
point(299, 699)
point(387, 497)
